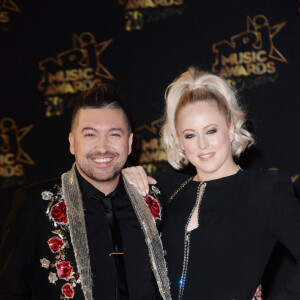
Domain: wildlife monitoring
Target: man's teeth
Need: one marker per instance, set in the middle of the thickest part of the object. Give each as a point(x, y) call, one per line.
point(103, 160)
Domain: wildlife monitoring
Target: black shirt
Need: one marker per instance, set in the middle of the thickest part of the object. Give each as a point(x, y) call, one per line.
point(240, 219)
point(137, 263)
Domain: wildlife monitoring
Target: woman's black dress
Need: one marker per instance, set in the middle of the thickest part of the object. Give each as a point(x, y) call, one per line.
point(240, 219)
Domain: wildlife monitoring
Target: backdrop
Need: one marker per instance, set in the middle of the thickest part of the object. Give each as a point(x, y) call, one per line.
point(51, 51)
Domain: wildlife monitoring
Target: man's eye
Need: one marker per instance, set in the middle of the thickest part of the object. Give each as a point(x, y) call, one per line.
point(116, 134)
point(211, 131)
point(89, 134)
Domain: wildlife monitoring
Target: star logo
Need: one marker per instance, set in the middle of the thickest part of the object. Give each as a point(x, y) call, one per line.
point(10, 140)
point(10, 5)
point(256, 40)
point(74, 68)
point(148, 150)
point(153, 128)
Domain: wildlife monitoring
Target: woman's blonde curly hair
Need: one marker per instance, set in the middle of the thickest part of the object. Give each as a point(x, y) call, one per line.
point(194, 85)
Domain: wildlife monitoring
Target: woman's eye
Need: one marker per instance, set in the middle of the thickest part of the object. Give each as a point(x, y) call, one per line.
point(211, 131)
point(189, 136)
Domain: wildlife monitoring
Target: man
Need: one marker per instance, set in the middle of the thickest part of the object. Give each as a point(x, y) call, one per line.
point(88, 235)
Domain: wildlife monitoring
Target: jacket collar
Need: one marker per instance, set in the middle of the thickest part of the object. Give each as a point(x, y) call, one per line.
point(152, 238)
point(75, 214)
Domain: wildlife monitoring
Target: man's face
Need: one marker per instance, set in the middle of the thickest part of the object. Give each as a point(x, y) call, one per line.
point(101, 144)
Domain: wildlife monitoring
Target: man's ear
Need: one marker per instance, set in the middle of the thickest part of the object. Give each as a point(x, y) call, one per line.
point(71, 141)
point(130, 140)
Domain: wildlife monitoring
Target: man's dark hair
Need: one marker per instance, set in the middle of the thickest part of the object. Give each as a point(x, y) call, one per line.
point(103, 96)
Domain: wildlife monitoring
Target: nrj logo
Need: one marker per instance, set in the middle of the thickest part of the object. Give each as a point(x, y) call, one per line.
point(249, 53)
point(12, 156)
point(148, 149)
point(7, 6)
point(72, 71)
point(294, 178)
point(139, 12)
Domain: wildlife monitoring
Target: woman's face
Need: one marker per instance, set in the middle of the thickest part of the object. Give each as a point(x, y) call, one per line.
point(206, 137)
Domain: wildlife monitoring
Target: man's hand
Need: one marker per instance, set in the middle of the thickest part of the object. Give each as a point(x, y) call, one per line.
point(138, 178)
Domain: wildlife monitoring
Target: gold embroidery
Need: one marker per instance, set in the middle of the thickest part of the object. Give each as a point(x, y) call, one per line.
point(180, 187)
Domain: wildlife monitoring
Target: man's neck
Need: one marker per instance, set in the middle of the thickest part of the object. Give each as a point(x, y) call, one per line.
point(106, 187)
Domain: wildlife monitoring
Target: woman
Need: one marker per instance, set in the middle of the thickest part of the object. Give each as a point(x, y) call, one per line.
point(221, 224)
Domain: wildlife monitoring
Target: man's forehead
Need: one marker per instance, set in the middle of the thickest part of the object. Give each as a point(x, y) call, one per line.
point(101, 116)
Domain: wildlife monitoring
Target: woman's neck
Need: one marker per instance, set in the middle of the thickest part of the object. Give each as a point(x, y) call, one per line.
point(225, 171)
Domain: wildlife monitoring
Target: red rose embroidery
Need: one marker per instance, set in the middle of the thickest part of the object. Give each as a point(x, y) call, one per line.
point(67, 290)
point(55, 244)
point(64, 269)
point(154, 206)
point(59, 212)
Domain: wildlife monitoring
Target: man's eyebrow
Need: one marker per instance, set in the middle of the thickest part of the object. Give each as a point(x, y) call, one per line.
point(111, 129)
point(88, 128)
point(117, 129)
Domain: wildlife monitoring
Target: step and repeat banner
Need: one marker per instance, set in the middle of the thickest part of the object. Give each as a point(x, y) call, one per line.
point(51, 51)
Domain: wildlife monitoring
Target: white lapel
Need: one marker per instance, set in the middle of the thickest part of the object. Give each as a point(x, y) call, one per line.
point(75, 214)
point(152, 238)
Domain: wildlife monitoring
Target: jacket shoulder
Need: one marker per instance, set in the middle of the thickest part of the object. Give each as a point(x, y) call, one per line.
point(42, 184)
point(34, 190)
point(28, 198)
point(270, 176)
point(168, 182)
point(268, 181)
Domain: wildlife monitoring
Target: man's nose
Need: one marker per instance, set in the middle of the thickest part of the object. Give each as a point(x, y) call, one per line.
point(102, 145)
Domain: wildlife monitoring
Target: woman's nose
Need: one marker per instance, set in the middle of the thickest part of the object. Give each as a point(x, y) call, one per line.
point(202, 142)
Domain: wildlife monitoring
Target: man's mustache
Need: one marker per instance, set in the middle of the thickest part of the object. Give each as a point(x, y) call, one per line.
point(107, 153)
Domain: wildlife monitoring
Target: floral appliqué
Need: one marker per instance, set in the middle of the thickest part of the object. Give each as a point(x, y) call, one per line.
point(67, 291)
point(60, 268)
point(153, 203)
point(56, 244)
point(59, 213)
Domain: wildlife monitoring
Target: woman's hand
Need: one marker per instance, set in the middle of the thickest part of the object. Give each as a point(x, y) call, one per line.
point(257, 295)
point(138, 178)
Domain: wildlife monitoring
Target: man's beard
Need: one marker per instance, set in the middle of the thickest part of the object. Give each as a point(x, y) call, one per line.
point(101, 174)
